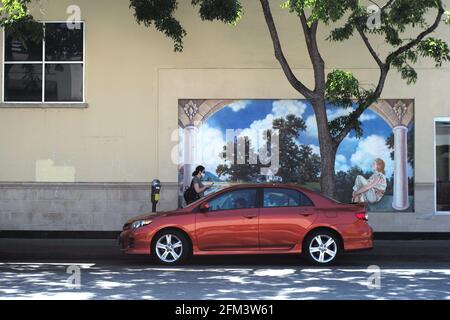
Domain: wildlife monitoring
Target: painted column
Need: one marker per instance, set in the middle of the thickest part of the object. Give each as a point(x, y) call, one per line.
point(190, 151)
point(400, 199)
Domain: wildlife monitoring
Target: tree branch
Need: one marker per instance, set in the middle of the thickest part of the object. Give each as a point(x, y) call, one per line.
point(384, 69)
point(368, 45)
point(299, 86)
point(363, 106)
point(310, 33)
point(386, 5)
point(419, 38)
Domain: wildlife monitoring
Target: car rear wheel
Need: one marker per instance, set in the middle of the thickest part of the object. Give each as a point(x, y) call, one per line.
point(171, 247)
point(321, 247)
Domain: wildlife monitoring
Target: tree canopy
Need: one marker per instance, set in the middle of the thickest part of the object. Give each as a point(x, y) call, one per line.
point(341, 88)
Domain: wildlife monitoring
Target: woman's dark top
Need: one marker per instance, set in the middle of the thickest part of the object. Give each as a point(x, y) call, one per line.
point(200, 184)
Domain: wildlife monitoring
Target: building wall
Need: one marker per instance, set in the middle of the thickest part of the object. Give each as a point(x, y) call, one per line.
point(54, 159)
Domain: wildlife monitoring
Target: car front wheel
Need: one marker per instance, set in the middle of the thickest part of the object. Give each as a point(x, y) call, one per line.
point(171, 247)
point(321, 247)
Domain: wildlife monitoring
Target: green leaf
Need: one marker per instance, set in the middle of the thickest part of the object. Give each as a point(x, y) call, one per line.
point(160, 14)
point(342, 88)
point(227, 11)
point(435, 49)
point(338, 124)
point(342, 33)
point(12, 11)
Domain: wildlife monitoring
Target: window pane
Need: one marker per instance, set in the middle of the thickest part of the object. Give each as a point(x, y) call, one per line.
point(281, 198)
point(239, 199)
point(64, 82)
point(64, 42)
point(305, 201)
point(443, 166)
point(17, 50)
point(23, 82)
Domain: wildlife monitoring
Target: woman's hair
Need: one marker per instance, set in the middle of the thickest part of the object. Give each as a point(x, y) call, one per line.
point(380, 165)
point(198, 170)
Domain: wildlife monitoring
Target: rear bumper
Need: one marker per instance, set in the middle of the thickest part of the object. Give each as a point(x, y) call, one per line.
point(360, 245)
point(360, 240)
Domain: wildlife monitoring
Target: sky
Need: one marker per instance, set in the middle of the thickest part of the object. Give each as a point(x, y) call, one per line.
point(254, 116)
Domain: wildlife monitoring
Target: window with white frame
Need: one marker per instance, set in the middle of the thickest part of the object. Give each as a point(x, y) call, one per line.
point(442, 156)
point(48, 71)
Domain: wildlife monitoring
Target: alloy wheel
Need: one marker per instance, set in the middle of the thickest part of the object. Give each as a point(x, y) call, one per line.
point(323, 248)
point(169, 248)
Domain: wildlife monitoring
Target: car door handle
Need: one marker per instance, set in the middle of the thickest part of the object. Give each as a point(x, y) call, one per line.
point(306, 214)
point(250, 216)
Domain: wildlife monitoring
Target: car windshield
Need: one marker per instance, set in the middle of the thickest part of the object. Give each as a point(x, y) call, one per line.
point(213, 190)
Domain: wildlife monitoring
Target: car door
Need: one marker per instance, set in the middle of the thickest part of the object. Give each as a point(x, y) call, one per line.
point(231, 222)
point(284, 218)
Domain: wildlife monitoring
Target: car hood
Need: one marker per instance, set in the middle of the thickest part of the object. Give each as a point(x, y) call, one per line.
point(152, 215)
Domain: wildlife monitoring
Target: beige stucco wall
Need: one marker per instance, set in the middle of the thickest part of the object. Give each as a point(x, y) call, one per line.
point(134, 79)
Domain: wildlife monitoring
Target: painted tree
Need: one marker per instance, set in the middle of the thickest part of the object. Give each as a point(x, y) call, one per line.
point(346, 18)
point(298, 163)
point(241, 169)
point(339, 87)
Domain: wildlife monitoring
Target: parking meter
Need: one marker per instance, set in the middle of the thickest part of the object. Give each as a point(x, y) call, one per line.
point(156, 188)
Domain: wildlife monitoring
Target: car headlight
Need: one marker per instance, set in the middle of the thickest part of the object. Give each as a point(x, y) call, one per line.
point(140, 223)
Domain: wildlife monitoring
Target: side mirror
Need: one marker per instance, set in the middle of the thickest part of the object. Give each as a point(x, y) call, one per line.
point(204, 207)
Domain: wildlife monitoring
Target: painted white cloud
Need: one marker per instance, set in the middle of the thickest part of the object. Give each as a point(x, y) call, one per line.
point(333, 114)
point(239, 105)
point(367, 117)
point(311, 126)
point(280, 109)
point(341, 163)
point(315, 149)
point(370, 148)
point(210, 145)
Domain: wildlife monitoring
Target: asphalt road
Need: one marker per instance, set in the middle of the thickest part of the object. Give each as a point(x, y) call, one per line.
point(50, 269)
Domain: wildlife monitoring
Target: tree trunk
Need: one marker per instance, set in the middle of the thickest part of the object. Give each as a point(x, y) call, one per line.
point(327, 149)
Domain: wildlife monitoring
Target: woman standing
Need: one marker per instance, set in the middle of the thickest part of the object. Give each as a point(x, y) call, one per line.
point(197, 188)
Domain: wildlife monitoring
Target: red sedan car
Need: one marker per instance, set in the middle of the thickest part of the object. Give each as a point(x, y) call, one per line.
point(252, 219)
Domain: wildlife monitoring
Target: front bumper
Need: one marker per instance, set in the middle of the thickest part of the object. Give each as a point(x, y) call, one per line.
point(125, 240)
point(129, 244)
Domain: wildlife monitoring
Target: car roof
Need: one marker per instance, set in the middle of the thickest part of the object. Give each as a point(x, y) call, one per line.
point(268, 185)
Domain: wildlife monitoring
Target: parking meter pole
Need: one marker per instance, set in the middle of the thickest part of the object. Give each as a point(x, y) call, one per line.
point(156, 189)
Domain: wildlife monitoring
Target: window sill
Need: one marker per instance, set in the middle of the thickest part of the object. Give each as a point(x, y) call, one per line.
point(44, 105)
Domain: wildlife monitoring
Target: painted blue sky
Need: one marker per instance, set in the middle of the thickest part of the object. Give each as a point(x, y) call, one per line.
point(253, 115)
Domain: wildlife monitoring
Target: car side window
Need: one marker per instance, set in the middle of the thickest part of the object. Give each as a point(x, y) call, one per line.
point(277, 197)
point(238, 199)
point(305, 201)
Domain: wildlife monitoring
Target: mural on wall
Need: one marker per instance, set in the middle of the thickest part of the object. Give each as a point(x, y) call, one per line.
point(241, 141)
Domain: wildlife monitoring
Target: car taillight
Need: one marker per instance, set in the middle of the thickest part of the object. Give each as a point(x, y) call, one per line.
point(362, 216)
